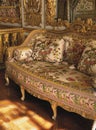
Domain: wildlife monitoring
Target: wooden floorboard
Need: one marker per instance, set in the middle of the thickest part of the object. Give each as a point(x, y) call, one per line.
point(33, 113)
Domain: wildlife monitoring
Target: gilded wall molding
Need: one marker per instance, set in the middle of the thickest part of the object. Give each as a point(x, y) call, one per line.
point(32, 12)
point(50, 12)
point(45, 13)
point(84, 5)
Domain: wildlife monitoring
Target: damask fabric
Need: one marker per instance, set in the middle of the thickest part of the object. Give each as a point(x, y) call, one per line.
point(70, 88)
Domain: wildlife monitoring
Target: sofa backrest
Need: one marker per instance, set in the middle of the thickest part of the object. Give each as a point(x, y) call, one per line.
point(72, 41)
point(59, 45)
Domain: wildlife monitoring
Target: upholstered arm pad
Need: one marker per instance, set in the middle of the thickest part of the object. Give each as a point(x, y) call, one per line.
point(27, 42)
point(10, 51)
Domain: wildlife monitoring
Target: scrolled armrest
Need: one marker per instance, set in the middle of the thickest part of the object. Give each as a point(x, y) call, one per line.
point(19, 54)
point(10, 51)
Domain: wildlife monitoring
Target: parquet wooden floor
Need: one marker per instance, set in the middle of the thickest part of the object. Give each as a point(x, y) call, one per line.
point(33, 114)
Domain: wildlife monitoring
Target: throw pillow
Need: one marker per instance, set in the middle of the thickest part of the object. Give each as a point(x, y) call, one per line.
point(56, 50)
point(23, 54)
point(74, 51)
point(48, 49)
point(87, 62)
point(40, 48)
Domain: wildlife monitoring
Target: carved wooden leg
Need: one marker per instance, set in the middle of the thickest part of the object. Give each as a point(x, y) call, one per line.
point(22, 92)
point(6, 79)
point(54, 108)
point(94, 125)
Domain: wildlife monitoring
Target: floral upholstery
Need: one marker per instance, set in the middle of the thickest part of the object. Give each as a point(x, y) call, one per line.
point(48, 77)
point(23, 54)
point(38, 47)
point(87, 63)
point(47, 49)
point(56, 51)
point(72, 54)
point(42, 48)
point(57, 82)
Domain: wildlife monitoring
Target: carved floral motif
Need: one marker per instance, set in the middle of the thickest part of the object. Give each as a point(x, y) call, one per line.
point(32, 9)
point(50, 11)
point(85, 5)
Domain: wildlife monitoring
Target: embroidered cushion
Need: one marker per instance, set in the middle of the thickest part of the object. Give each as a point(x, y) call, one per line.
point(73, 51)
point(48, 49)
point(23, 54)
point(40, 48)
point(87, 62)
point(56, 50)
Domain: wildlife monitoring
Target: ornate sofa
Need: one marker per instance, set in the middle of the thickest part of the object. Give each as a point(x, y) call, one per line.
point(56, 66)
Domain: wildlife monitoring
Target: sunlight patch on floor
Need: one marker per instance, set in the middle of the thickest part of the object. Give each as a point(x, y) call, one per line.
point(40, 120)
point(7, 108)
point(23, 123)
point(16, 116)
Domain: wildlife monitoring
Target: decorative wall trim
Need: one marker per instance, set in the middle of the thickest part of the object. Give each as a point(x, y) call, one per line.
point(32, 12)
point(50, 12)
point(85, 9)
point(44, 13)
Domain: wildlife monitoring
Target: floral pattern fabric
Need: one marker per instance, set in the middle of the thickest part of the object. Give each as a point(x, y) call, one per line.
point(56, 51)
point(87, 63)
point(50, 79)
point(47, 49)
point(23, 54)
point(42, 48)
point(73, 50)
point(57, 82)
point(58, 72)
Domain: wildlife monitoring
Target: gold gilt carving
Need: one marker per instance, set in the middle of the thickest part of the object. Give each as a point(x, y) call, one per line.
point(5, 42)
point(50, 12)
point(32, 9)
point(14, 38)
point(9, 37)
point(1, 49)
